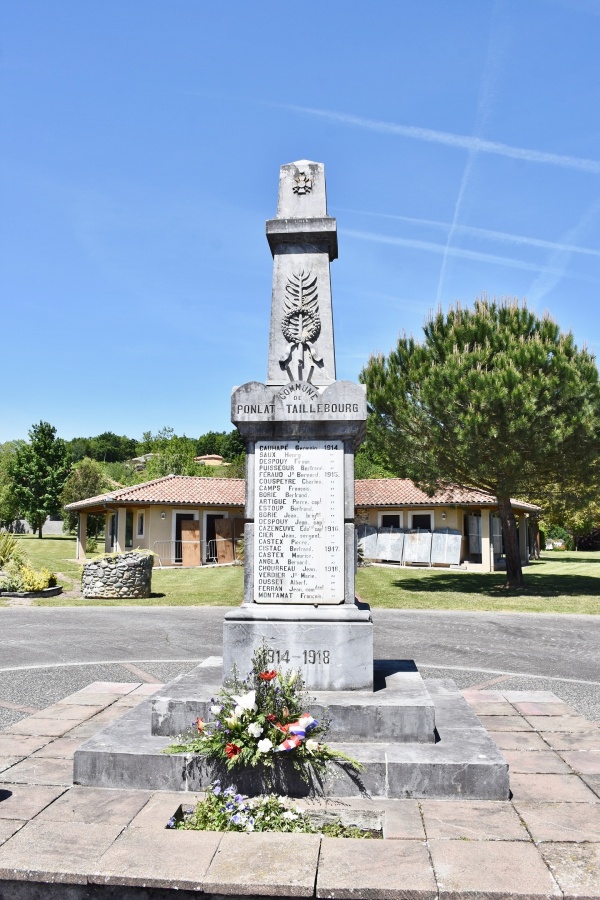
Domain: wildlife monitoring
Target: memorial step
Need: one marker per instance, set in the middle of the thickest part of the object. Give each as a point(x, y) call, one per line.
point(463, 763)
point(399, 709)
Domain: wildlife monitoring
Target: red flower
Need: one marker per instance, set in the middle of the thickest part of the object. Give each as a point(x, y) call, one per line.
point(200, 725)
point(268, 676)
point(232, 750)
point(271, 718)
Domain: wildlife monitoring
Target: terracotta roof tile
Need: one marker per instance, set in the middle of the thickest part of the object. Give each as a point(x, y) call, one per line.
point(403, 492)
point(183, 490)
point(192, 490)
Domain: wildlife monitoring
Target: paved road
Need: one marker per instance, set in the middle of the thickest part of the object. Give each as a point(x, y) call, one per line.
point(47, 653)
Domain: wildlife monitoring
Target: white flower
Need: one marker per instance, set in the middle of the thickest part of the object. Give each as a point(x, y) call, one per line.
point(215, 710)
point(231, 722)
point(311, 745)
point(246, 701)
point(255, 729)
point(289, 815)
point(265, 745)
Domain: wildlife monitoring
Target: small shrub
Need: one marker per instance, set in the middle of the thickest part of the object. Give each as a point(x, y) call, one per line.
point(12, 582)
point(33, 580)
point(11, 548)
point(91, 545)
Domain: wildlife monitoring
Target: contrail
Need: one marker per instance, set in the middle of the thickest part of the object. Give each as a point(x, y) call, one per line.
point(548, 278)
point(462, 141)
point(502, 236)
point(457, 207)
point(484, 103)
point(432, 247)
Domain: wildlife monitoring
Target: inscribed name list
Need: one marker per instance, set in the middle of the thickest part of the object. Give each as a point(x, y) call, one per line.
point(299, 528)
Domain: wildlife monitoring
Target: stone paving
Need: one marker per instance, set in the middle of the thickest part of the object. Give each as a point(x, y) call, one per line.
point(60, 841)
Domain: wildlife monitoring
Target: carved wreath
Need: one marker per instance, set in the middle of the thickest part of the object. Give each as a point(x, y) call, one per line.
point(301, 324)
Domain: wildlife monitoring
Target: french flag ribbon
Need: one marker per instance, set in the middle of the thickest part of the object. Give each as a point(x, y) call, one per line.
point(303, 726)
point(297, 731)
point(289, 744)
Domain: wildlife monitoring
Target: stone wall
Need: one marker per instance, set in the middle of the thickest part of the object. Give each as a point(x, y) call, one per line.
point(123, 575)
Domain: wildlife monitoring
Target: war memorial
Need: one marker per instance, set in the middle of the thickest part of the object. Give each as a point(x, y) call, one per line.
point(302, 427)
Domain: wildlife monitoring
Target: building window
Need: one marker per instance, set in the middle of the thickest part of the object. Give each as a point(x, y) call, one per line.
point(129, 528)
point(422, 521)
point(140, 525)
point(390, 521)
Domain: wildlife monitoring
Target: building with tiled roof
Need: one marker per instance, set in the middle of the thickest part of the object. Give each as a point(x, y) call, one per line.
point(402, 492)
point(183, 519)
point(173, 490)
point(190, 520)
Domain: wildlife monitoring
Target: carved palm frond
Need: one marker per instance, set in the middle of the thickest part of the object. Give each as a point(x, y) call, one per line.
point(301, 323)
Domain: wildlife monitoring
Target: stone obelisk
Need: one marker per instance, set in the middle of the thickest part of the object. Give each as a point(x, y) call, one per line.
point(302, 428)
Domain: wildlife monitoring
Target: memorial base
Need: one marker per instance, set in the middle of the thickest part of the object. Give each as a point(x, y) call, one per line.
point(331, 645)
point(455, 760)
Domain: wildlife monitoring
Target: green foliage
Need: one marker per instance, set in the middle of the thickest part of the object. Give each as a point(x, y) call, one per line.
point(368, 462)
point(171, 461)
point(237, 467)
point(86, 480)
point(261, 721)
point(233, 446)
point(230, 445)
point(9, 507)
point(34, 580)
point(211, 442)
point(121, 474)
point(38, 472)
point(558, 533)
point(226, 810)
point(573, 503)
point(23, 577)
point(106, 447)
point(494, 398)
point(11, 548)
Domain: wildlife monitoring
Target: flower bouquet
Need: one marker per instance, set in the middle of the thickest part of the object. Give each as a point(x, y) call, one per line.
point(263, 720)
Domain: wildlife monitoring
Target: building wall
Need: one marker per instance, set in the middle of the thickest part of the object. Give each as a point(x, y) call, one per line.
point(159, 525)
point(454, 517)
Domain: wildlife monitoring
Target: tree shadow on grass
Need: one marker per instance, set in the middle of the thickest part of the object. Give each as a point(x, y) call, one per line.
point(492, 585)
point(562, 560)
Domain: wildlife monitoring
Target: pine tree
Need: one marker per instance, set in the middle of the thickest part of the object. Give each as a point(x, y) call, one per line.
point(494, 398)
point(38, 472)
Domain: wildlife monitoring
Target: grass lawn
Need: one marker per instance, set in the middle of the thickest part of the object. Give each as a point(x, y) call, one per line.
point(170, 587)
point(559, 583)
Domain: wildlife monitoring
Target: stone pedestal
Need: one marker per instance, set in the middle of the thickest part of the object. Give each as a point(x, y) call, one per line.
point(331, 646)
point(414, 739)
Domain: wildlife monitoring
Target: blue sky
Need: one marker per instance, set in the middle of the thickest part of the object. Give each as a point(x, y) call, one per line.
point(139, 161)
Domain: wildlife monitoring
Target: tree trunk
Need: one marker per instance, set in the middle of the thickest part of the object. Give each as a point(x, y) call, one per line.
point(514, 572)
point(534, 539)
point(40, 526)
